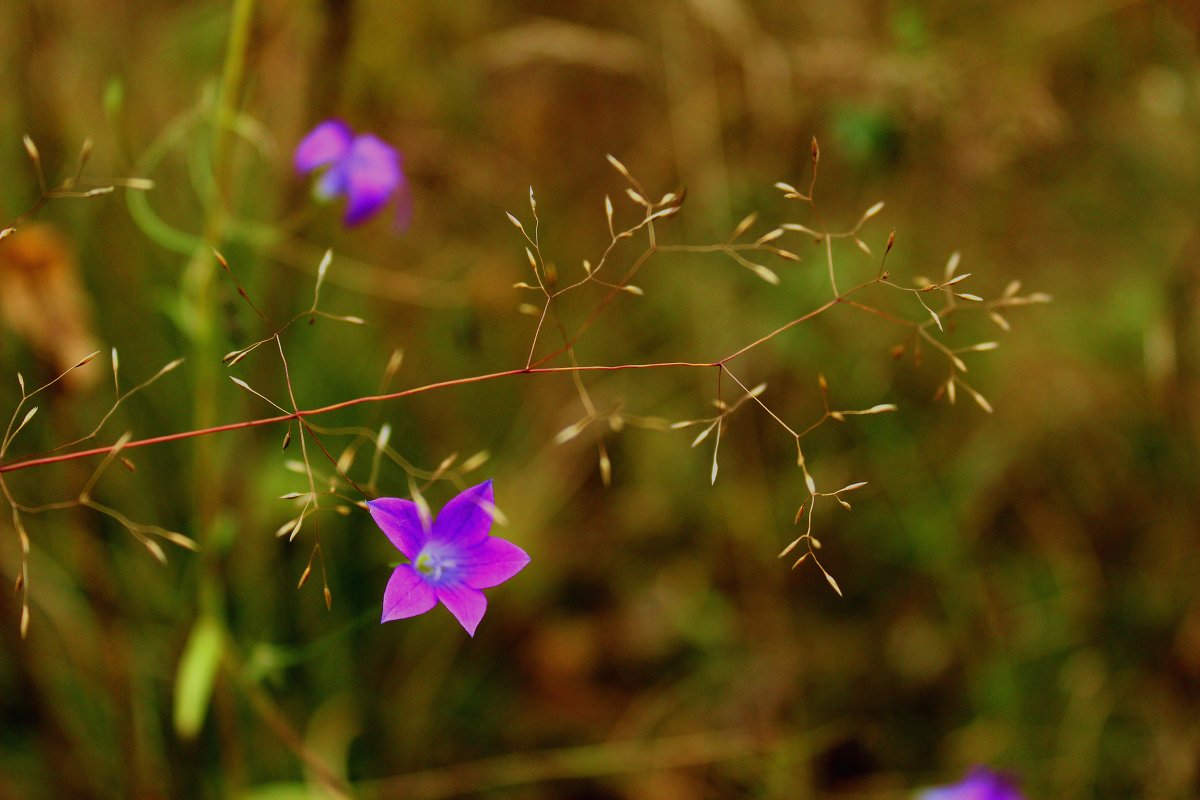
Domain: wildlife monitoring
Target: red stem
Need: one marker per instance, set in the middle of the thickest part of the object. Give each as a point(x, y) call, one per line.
point(377, 398)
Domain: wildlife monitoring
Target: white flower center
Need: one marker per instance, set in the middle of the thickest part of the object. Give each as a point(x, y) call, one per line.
point(433, 565)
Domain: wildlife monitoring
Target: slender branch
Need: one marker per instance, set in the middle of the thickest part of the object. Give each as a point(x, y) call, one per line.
point(378, 398)
point(741, 351)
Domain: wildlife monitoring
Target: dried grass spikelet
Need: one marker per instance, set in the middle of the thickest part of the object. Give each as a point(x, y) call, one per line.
point(43, 300)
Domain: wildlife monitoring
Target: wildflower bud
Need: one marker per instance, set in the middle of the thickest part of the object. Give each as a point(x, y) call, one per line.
point(763, 272)
point(31, 149)
point(155, 550)
point(571, 431)
point(475, 462)
point(346, 460)
point(744, 225)
point(85, 152)
point(85, 360)
point(952, 264)
point(619, 167)
point(769, 236)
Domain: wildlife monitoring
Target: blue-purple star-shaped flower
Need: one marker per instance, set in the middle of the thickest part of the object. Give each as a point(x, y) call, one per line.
point(452, 557)
point(363, 168)
point(980, 783)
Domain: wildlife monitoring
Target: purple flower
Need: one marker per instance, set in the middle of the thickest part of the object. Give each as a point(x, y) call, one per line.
point(453, 557)
point(980, 783)
point(364, 168)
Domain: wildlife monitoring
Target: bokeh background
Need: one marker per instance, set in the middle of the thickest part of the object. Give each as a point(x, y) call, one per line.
point(1020, 588)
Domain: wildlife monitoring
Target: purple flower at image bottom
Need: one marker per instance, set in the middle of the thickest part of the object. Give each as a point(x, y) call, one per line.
point(363, 168)
point(980, 783)
point(452, 557)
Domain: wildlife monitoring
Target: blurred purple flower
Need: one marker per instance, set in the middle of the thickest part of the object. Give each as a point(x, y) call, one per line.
point(980, 783)
point(364, 168)
point(453, 557)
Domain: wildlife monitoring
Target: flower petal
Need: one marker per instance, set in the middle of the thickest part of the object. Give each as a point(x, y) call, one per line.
point(372, 175)
point(401, 521)
point(980, 783)
point(466, 604)
point(491, 563)
point(407, 595)
point(324, 144)
point(466, 520)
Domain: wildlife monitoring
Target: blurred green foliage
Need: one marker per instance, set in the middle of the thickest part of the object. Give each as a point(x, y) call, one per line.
point(1020, 589)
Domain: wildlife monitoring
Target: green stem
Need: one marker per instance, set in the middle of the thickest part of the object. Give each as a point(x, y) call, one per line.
point(199, 297)
point(225, 113)
point(200, 275)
